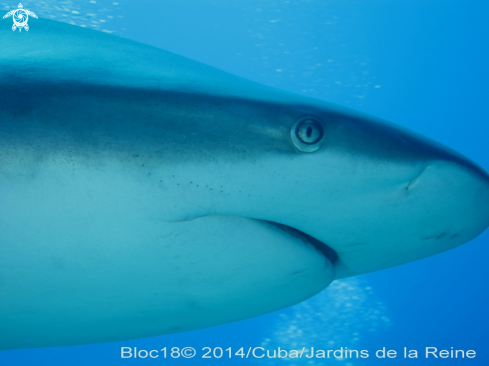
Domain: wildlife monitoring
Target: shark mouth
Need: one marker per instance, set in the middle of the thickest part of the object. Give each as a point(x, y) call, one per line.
point(320, 246)
point(328, 252)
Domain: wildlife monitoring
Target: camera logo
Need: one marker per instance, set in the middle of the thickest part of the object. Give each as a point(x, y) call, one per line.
point(20, 17)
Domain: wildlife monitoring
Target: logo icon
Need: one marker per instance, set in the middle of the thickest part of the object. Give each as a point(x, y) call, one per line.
point(20, 17)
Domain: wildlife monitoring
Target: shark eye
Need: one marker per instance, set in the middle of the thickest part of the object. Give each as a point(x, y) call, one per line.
point(308, 133)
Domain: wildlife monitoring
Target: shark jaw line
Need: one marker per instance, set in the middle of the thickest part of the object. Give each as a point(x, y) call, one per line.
point(328, 252)
point(321, 247)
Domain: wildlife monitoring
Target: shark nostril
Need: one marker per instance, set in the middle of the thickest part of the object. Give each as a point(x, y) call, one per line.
point(412, 182)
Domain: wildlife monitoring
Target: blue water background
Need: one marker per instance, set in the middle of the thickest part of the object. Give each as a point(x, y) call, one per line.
point(420, 63)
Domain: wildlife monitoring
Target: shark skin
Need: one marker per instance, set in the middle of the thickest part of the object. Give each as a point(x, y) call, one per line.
point(143, 193)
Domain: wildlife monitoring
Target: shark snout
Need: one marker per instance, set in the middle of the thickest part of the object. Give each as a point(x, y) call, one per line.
point(393, 196)
point(448, 203)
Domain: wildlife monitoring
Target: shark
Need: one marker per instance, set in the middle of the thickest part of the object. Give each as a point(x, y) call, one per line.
point(143, 193)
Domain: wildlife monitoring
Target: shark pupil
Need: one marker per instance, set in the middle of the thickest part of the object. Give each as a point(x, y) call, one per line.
point(310, 132)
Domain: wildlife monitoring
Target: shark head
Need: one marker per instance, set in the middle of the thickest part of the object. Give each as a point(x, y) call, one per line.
point(372, 193)
point(144, 193)
point(377, 194)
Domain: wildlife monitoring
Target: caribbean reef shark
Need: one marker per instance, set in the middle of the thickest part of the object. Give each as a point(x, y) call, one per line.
point(143, 193)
